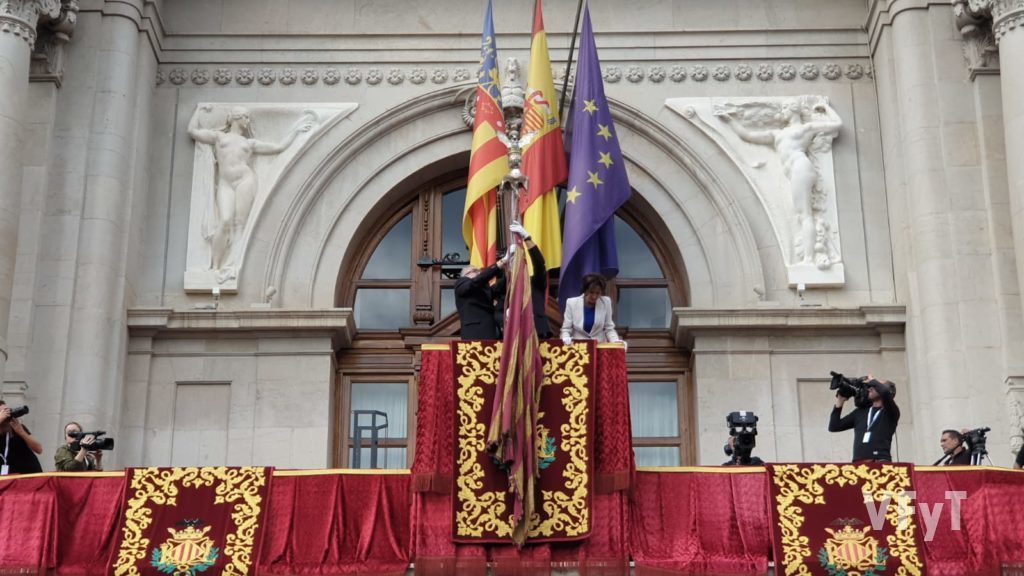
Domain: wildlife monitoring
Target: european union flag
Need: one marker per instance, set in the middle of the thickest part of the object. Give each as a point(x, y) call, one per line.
point(598, 184)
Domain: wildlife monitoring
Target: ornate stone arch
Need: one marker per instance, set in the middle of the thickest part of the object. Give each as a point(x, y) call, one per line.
point(352, 173)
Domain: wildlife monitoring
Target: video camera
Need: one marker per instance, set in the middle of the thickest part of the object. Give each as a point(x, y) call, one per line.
point(98, 442)
point(975, 439)
point(856, 388)
point(743, 427)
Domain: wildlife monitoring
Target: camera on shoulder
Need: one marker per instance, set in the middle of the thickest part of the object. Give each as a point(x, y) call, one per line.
point(98, 443)
point(742, 427)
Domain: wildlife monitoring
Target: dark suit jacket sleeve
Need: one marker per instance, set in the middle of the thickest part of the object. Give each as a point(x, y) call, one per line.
point(464, 284)
point(539, 280)
point(837, 424)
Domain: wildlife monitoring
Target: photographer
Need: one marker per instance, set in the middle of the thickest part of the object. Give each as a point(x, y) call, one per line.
point(874, 423)
point(955, 451)
point(1018, 463)
point(730, 450)
point(17, 445)
point(75, 455)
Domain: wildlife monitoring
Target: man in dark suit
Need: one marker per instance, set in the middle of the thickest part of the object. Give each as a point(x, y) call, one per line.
point(956, 453)
point(873, 424)
point(474, 299)
point(538, 282)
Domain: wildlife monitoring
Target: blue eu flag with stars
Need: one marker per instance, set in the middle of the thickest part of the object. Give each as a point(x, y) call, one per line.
point(598, 184)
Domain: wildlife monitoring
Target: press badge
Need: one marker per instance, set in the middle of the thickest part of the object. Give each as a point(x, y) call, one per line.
point(5, 470)
point(867, 437)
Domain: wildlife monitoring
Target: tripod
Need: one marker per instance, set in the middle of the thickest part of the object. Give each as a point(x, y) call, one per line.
point(979, 454)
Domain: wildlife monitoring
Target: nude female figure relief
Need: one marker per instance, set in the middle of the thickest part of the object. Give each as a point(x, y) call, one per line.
point(235, 184)
point(798, 129)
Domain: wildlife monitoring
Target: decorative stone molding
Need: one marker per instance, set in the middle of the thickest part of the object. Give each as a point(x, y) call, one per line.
point(784, 147)
point(20, 17)
point(47, 63)
point(221, 220)
point(635, 74)
point(975, 19)
point(169, 323)
point(1015, 405)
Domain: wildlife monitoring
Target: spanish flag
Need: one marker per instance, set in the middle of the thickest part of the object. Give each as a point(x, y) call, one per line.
point(488, 162)
point(544, 155)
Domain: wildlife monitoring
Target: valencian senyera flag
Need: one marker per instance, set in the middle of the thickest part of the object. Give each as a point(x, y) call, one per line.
point(488, 161)
point(510, 437)
point(543, 152)
point(598, 184)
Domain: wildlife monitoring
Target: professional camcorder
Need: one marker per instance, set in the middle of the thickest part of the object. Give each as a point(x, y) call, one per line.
point(743, 427)
point(975, 440)
point(19, 411)
point(856, 388)
point(98, 443)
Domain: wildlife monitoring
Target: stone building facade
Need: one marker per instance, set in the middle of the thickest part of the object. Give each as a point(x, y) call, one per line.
point(197, 330)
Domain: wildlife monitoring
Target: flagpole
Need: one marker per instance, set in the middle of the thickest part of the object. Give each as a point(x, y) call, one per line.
point(568, 63)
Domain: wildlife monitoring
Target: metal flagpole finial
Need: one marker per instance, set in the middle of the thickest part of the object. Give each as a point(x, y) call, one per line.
point(514, 183)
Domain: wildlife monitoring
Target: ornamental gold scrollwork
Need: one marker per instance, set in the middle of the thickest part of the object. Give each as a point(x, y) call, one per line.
point(161, 486)
point(804, 485)
point(486, 512)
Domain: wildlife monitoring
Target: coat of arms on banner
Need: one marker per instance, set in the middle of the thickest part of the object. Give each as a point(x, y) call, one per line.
point(187, 552)
point(852, 551)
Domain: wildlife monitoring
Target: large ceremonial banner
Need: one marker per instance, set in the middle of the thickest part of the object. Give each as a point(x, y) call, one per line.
point(844, 519)
point(190, 521)
point(482, 502)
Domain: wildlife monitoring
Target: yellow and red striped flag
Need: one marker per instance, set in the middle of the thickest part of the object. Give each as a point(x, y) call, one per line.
point(488, 162)
point(544, 156)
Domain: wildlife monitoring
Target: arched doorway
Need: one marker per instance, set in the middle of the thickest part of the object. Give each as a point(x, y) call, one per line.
point(399, 276)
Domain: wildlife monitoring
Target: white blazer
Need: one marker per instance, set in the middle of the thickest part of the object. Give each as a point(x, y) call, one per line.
point(603, 329)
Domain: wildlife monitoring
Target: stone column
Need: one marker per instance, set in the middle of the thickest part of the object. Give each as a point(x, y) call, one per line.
point(18, 19)
point(983, 23)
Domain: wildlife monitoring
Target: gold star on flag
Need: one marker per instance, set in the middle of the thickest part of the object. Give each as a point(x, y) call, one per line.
point(572, 195)
point(594, 179)
point(606, 159)
point(589, 106)
point(605, 132)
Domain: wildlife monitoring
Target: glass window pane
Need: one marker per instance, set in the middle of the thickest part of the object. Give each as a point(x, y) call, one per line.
point(653, 409)
point(386, 458)
point(447, 302)
point(452, 206)
point(643, 308)
point(392, 258)
point(382, 308)
point(635, 258)
point(391, 399)
point(657, 456)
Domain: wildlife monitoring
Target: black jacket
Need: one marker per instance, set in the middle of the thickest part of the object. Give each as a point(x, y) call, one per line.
point(961, 459)
point(474, 299)
point(879, 444)
point(20, 458)
point(539, 293)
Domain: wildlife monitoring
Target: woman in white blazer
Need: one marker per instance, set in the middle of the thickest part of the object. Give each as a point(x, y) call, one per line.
point(589, 315)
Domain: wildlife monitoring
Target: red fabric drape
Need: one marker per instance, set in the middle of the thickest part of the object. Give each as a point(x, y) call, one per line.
point(991, 530)
point(326, 524)
point(28, 515)
point(613, 433)
point(713, 522)
point(435, 433)
point(89, 508)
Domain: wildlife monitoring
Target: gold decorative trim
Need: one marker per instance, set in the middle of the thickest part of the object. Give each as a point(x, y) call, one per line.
point(438, 347)
point(485, 512)
point(801, 485)
point(160, 486)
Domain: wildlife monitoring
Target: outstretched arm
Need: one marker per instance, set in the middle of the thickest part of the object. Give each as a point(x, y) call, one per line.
point(201, 134)
point(304, 125)
point(752, 136)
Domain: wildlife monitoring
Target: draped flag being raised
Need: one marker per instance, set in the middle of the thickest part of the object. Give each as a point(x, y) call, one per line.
point(488, 162)
point(543, 150)
point(598, 184)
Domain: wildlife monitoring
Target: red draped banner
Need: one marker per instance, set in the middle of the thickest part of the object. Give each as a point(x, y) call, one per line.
point(484, 504)
point(185, 521)
point(838, 519)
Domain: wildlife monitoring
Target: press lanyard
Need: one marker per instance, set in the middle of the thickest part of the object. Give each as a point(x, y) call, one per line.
point(873, 416)
point(7, 446)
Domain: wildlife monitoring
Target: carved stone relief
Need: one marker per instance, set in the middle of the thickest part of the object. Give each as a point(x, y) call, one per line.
point(240, 152)
point(784, 147)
